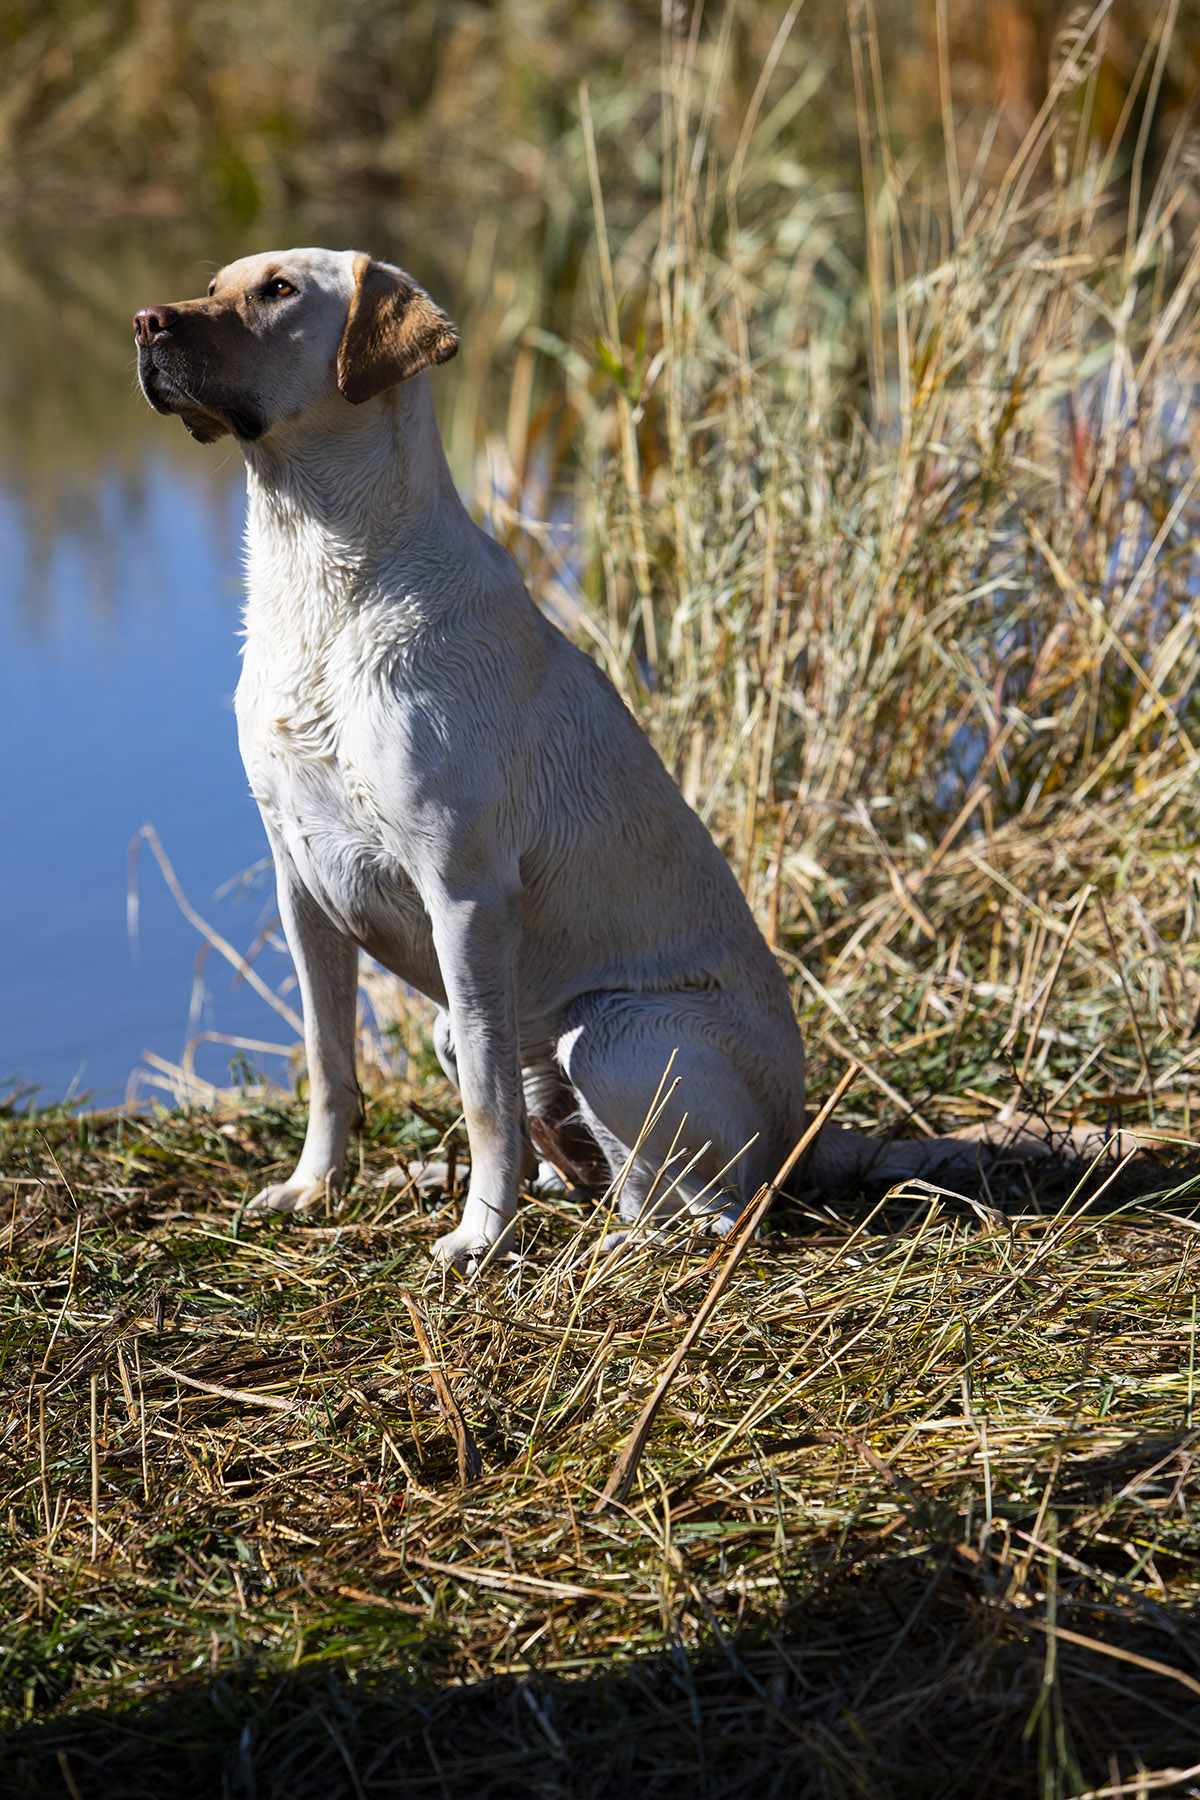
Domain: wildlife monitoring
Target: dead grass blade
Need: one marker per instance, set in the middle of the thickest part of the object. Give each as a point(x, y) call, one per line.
point(470, 1463)
point(616, 1488)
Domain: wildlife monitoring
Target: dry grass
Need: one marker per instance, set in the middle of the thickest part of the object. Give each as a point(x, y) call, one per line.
point(888, 530)
point(931, 679)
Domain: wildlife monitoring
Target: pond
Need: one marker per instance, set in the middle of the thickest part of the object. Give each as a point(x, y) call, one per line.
point(120, 660)
point(120, 545)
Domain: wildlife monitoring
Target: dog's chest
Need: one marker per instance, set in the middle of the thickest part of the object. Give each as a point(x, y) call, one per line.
point(304, 725)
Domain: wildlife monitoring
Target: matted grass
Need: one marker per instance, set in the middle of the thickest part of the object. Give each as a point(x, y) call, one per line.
point(917, 1515)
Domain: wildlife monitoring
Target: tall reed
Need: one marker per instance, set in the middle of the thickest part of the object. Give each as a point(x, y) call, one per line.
point(895, 551)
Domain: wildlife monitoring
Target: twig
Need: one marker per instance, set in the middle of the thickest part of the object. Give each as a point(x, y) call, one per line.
point(1114, 1650)
point(42, 1459)
point(95, 1449)
point(226, 1393)
point(70, 1290)
point(249, 974)
point(1043, 1003)
point(1128, 997)
point(470, 1463)
point(511, 1582)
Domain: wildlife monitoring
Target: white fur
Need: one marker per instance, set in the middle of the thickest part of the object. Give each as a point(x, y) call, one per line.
point(450, 784)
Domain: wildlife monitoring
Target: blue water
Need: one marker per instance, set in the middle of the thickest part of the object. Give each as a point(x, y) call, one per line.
point(118, 661)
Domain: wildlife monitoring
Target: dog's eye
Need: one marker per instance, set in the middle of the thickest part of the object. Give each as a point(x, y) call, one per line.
point(277, 288)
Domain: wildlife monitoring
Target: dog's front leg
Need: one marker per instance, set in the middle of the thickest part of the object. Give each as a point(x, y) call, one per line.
point(476, 943)
point(327, 971)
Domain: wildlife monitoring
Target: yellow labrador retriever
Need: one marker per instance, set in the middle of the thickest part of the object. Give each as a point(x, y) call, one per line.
point(451, 785)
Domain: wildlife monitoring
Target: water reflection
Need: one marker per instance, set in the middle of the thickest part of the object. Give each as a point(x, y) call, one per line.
point(119, 669)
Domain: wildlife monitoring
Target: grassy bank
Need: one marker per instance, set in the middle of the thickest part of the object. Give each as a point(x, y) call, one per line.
point(917, 1515)
point(880, 505)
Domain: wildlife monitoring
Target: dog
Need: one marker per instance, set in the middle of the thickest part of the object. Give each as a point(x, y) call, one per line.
point(451, 785)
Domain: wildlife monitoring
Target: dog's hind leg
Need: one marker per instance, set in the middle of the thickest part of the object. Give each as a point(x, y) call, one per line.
point(706, 1146)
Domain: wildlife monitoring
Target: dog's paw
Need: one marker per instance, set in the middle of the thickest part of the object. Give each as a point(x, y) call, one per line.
point(668, 1238)
point(291, 1196)
point(462, 1250)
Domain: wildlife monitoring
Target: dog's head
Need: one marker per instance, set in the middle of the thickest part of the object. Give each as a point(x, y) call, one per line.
point(279, 334)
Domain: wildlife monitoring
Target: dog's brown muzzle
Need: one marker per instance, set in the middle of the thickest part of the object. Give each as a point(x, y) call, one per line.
point(174, 369)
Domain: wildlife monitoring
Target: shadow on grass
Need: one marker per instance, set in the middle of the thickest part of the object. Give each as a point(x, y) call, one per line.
point(920, 1672)
point(1044, 1187)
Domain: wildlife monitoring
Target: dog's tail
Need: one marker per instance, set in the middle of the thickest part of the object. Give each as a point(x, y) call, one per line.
point(841, 1156)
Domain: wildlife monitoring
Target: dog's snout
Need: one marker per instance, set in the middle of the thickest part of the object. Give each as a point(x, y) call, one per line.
point(153, 322)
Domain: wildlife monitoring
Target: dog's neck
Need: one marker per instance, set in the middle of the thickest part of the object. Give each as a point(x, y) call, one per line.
point(357, 490)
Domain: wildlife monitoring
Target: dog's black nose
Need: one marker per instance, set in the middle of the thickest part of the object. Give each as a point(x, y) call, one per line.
point(152, 323)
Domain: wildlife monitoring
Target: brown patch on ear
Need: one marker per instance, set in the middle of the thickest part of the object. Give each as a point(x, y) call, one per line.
point(393, 331)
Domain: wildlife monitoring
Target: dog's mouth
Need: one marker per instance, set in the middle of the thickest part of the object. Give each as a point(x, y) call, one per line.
point(153, 384)
point(246, 425)
point(205, 420)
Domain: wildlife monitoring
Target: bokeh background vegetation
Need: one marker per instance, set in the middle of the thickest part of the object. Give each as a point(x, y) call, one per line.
point(163, 110)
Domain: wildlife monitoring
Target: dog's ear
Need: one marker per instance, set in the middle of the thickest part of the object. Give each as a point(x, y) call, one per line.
point(393, 330)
